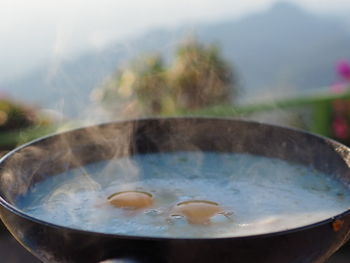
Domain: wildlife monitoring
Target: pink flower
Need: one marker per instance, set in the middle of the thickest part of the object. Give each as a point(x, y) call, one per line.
point(343, 69)
point(340, 128)
point(338, 88)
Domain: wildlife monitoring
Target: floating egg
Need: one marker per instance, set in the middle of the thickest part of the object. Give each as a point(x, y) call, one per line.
point(131, 199)
point(197, 211)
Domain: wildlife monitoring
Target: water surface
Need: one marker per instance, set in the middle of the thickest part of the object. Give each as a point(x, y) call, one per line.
point(263, 194)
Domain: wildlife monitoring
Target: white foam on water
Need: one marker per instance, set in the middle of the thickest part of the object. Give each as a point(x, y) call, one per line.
point(263, 194)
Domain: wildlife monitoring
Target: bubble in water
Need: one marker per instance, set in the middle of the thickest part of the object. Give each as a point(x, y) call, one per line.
point(152, 212)
point(177, 220)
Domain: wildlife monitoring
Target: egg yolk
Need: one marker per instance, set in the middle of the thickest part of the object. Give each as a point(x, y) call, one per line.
point(131, 199)
point(197, 211)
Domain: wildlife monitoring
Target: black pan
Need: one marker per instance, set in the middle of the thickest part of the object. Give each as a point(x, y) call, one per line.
point(52, 155)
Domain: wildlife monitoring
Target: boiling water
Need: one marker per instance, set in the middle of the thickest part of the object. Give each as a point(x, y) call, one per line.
point(262, 194)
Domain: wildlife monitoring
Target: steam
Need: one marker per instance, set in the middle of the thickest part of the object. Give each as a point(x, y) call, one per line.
point(74, 150)
point(64, 152)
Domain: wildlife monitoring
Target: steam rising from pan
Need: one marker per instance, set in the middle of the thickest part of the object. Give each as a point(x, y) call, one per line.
point(54, 155)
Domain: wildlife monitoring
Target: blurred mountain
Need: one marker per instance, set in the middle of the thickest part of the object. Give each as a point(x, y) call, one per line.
point(282, 51)
point(285, 50)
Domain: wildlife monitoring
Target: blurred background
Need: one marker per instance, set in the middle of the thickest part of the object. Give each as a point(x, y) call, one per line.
point(65, 64)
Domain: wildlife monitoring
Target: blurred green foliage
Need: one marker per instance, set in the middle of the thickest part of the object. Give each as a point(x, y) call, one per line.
point(198, 77)
point(19, 123)
point(14, 116)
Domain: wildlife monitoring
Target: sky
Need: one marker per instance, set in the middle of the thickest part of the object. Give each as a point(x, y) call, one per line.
point(38, 31)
